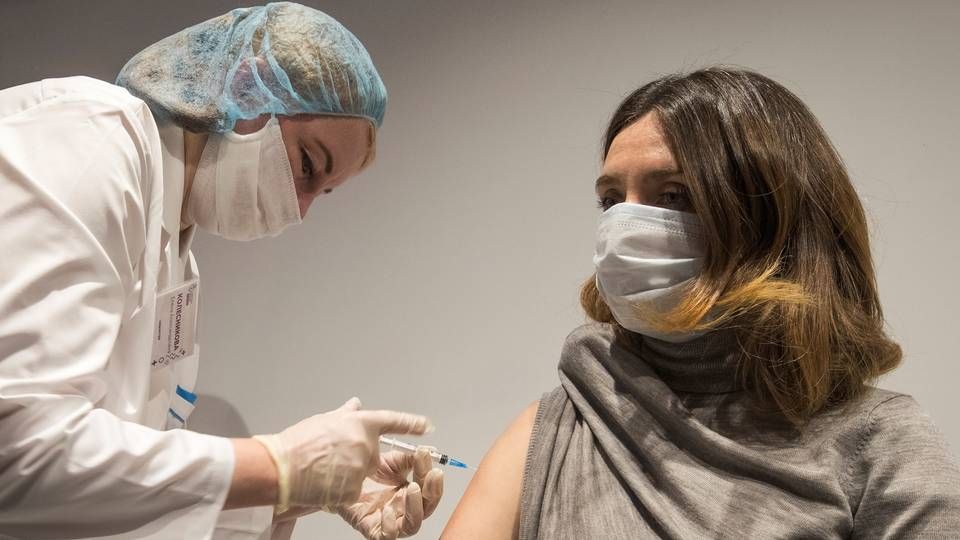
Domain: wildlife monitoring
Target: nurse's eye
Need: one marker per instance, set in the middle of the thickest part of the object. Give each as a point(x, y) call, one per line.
point(306, 166)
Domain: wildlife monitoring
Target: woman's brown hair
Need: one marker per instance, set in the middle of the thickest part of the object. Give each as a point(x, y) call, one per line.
point(787, 263)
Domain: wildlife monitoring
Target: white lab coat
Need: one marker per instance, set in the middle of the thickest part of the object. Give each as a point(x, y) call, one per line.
point(86, 243)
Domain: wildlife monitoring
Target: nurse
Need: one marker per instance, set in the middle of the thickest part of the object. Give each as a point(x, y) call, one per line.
point(235, 126)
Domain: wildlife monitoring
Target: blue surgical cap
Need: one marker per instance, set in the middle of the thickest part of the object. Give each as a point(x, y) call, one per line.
point(282, 58)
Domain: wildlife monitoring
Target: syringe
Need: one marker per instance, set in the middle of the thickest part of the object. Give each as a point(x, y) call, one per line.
point(442, 459)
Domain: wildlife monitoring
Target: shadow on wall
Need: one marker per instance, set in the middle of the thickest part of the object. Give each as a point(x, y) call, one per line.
point(217, 416)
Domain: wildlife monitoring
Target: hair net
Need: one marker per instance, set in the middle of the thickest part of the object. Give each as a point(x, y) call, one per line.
point(282, 58)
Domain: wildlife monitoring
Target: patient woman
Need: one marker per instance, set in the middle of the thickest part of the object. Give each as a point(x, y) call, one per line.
point(724, 390)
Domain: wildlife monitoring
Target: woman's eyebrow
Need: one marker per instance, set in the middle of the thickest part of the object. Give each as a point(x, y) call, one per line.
point(662, 173)
point(655, 175)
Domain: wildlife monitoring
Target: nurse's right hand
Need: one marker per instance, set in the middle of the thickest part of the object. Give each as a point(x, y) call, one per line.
point(322, 461)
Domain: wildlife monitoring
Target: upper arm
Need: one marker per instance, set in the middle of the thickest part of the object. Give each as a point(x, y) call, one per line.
point(73, 168)
point(490, 508)
point(911, 482)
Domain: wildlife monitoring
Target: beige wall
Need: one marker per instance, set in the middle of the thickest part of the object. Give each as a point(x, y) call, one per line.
point(444, 279)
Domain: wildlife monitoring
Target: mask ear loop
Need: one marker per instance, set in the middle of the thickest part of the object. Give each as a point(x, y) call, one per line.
point(235, 137)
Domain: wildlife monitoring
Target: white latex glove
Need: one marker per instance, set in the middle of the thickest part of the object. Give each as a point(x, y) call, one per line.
point(391, 506)
point(323, 460)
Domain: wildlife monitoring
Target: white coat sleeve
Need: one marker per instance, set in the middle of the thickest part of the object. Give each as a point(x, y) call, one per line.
point(252, 524)
point(72, 176)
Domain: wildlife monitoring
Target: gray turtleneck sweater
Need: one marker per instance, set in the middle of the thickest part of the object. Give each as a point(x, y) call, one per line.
point(659, 441)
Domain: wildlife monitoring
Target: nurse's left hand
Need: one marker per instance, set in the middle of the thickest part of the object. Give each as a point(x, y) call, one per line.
point(391, 506)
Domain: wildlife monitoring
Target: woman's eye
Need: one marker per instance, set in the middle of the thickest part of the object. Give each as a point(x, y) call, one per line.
point(676, 200)
point(306, 166)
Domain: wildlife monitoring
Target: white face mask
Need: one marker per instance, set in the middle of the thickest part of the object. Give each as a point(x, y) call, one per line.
point(645, 257)
point(244, 189)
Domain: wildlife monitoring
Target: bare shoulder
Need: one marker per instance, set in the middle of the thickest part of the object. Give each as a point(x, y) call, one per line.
point(490, 508)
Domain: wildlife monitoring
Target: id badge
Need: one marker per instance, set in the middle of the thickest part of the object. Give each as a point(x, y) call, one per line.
point(175, 331)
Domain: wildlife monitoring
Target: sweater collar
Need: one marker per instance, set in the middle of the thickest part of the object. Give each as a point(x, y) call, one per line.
point(707, 364)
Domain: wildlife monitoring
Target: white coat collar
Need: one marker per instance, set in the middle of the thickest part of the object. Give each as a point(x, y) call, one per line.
point(177, 251)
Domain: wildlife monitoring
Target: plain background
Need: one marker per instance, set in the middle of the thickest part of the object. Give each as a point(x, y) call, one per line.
point(444, 279)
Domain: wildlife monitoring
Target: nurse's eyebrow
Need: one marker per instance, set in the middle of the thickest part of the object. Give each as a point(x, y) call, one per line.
point(329, 157)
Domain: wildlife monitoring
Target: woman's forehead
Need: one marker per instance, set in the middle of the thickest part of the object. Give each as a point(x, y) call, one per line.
point(640, 145)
